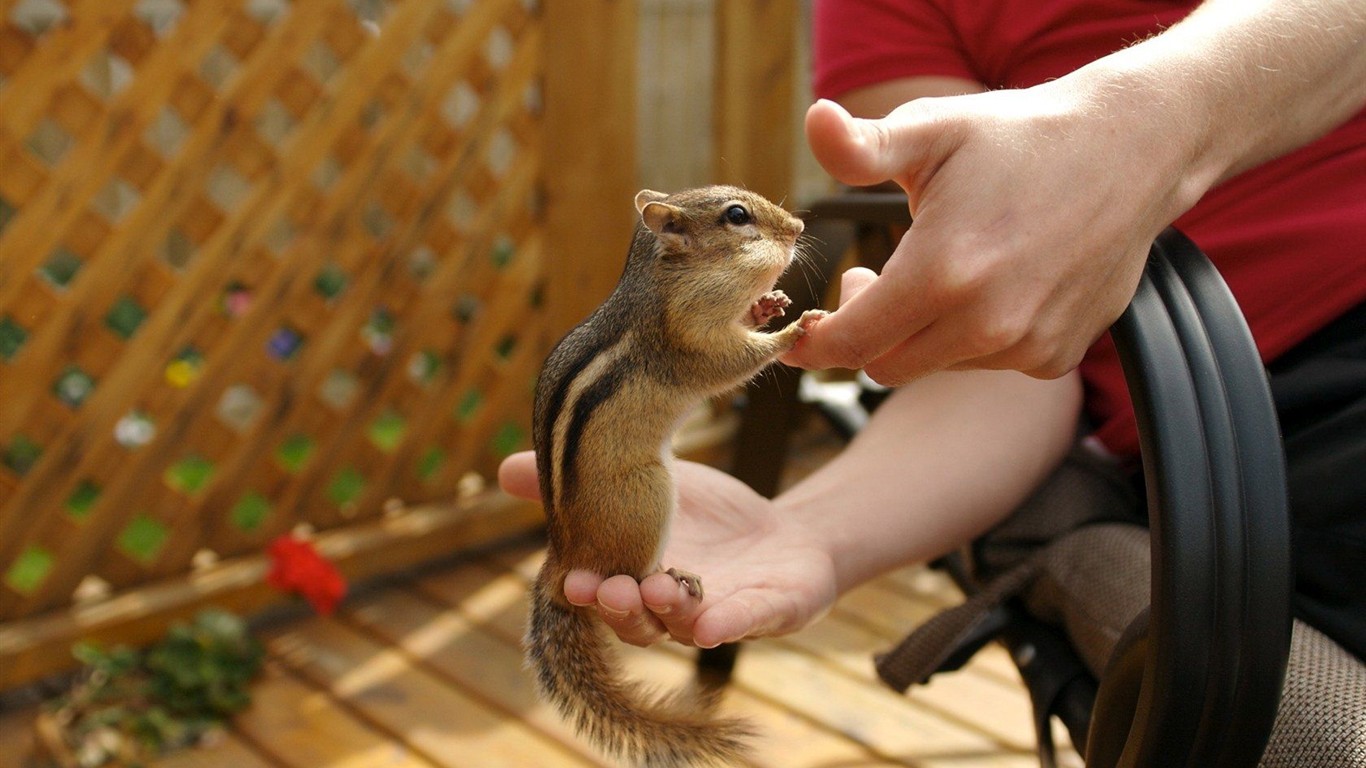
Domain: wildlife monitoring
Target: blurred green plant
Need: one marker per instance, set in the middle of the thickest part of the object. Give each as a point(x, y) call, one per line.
point(128, 706)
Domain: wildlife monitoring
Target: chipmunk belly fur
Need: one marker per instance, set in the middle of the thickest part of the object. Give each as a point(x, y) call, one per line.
point(681, 325)
point(609, 433)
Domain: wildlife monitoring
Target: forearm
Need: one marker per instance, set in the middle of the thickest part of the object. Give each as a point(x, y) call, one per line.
point(1239, 82)
point(943, 460)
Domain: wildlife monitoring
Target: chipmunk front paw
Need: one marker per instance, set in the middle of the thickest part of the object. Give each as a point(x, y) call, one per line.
point(770, 305)
point(809, 319)
point(690, 581)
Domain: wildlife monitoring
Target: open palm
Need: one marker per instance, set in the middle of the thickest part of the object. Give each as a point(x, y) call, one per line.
point(763, 574)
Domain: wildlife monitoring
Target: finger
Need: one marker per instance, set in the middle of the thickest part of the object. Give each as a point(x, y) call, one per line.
point(517, 476)
point(581, 588)
point(1039, 360)
point(853, 281)
point(738, 618)
point(882, 312)
point(624, 612)
point(1053, 343)
point(670, 602)
point(725, 623)
point(961, 341)
point(934, 348)
point(864, 152)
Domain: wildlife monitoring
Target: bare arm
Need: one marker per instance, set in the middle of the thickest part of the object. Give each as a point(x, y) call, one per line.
point(945, 459)
point(1257, 78)
point(941, 460)
point(1034, 208)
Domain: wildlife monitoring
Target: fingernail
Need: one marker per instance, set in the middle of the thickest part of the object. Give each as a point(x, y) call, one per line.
point(832, 103)
point(613, 613)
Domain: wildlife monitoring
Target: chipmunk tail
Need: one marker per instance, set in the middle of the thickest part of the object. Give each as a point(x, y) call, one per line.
point(577, 671)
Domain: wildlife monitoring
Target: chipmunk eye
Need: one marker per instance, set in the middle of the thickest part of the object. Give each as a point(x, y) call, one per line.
point(737, 215)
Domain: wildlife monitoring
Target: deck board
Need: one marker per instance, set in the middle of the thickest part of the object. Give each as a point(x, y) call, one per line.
point(465, 656)
point(427, 673)
point(16, 736)
point(229, 752)
point(437, 720)
point(803, 671)
point(298, 726)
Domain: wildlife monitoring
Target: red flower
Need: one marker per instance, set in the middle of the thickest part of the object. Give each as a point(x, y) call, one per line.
point(296, 566)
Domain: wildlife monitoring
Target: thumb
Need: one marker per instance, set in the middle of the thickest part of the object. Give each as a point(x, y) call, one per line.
point(862, 152)
point(853, 281)
point(517, 476)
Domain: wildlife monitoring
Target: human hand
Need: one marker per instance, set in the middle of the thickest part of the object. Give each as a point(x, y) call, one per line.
point(1034, 211)
point(762, 574)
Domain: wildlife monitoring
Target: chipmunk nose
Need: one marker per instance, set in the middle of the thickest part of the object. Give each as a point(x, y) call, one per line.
point(797, 226)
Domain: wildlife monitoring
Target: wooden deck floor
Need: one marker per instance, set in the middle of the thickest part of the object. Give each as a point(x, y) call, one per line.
point(428, 673)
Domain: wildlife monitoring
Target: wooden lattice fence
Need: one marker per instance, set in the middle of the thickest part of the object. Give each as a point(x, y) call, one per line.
point(263, 264)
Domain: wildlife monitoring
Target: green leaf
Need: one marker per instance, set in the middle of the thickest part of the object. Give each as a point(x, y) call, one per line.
point(346, 487)
point(61, 267)
point(293, 453)
point(125, 317)
point(469, 406)
point(82, 499)
point(143, 538)
point(430, 464)
point(12, 337)
point(386, 432)
point(21, 454)
point(30, 570)
point(330, 282)
point(250, 511)
point(507, 440)
point(189, 475)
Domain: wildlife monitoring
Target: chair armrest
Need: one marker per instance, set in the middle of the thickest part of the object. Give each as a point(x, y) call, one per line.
point(1201, 685)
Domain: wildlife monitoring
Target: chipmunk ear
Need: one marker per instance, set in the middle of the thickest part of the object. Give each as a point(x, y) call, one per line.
point(666, 221)
point(647, 196)
point(661, 218)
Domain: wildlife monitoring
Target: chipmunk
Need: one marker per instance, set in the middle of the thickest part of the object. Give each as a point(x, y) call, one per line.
point(682, 325)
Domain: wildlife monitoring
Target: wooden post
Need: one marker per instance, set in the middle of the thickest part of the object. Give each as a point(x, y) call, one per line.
point(751, 111)
point(755, 57)
point(589, 159)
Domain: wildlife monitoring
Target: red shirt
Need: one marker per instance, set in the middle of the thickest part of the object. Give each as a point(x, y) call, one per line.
point(1288, 236)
